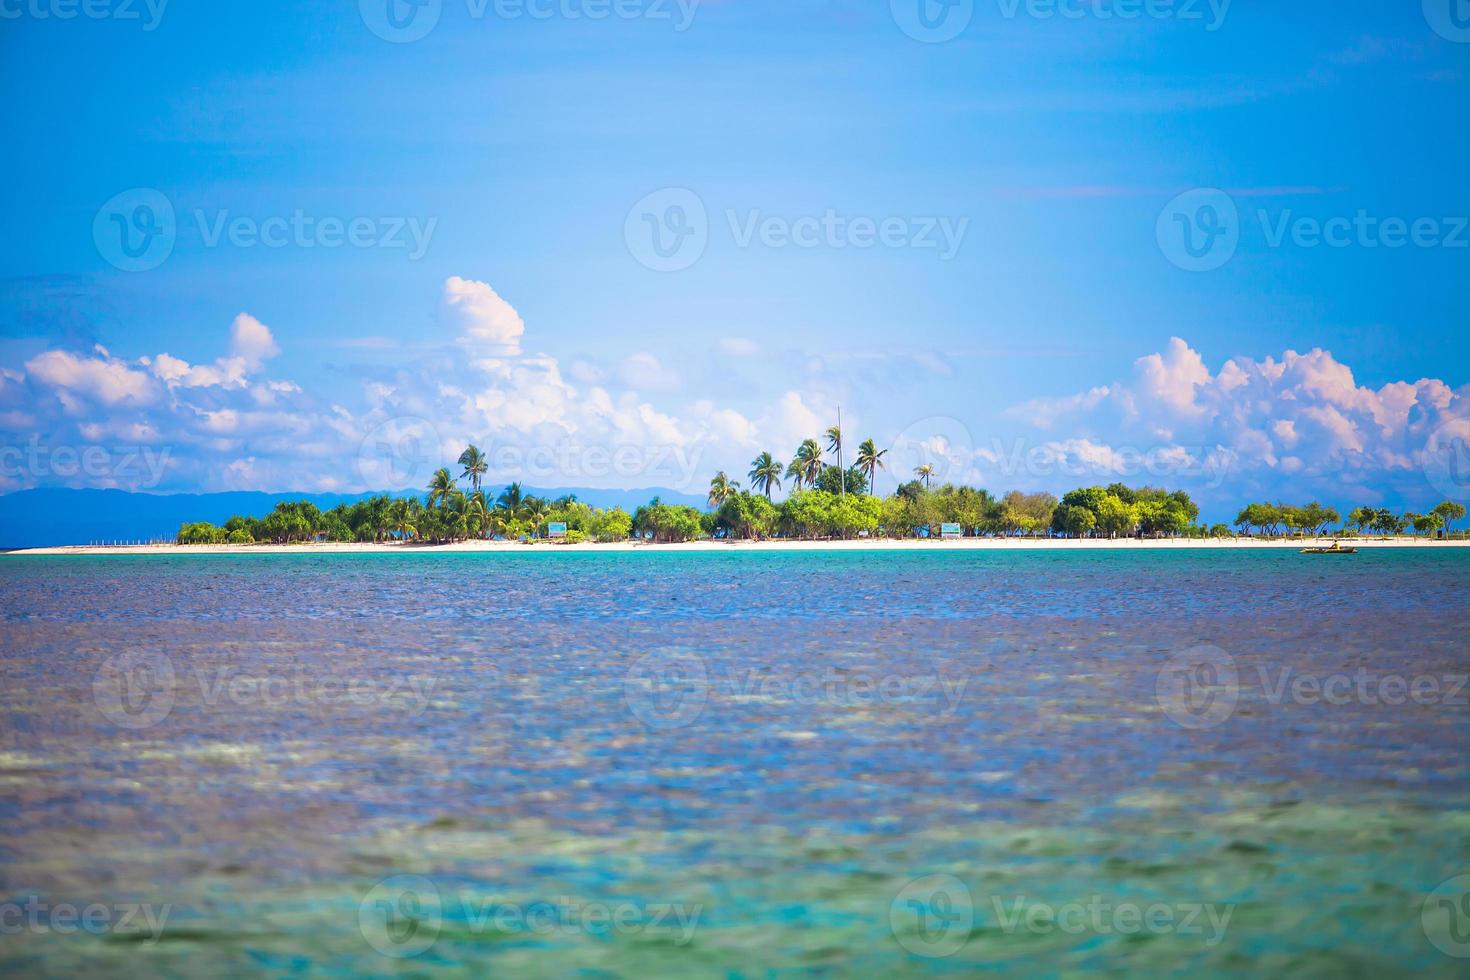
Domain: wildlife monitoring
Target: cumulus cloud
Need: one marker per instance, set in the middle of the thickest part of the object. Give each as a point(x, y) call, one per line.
point(487, 325)
point(101, 377)
point(1301, 415)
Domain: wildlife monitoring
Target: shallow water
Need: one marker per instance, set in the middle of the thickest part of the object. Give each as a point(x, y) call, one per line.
point(876, 763)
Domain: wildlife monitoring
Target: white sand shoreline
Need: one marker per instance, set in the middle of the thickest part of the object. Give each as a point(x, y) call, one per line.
point(548, 548)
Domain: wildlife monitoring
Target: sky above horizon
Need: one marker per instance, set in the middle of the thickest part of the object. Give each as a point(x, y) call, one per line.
point(626, 243)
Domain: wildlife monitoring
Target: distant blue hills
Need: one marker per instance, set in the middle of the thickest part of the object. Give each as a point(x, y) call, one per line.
point(45, 517)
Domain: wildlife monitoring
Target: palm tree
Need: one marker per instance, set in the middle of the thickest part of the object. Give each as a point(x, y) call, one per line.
point(480, 510)
point(809, 461)
point(403, 519)
point(511, 499)
point(721, 489)
point(870, 461)
point(457, 516)
point(834, 446)
point(765, 471)
point(794, 473)
point(475, 465)
point(539, 513)
point(925, 473)
point(441, 487)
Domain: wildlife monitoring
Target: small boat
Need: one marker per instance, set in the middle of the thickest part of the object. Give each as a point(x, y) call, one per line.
point(1335, 549)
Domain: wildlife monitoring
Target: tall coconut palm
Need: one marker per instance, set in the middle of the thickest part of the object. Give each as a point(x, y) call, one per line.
point(765, 472)
point(870, 461)
point(475, 466)
point(457, 515)
point(403, 519)
point(480, 510)
point(834, 446)
point(795, 474)
point(925, 472)
point(721, 489)
point(441, 487)
point(809, 461)
point(512, 499)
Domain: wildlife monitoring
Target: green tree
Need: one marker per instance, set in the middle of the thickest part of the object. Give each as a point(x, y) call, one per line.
point(720, 489)
point(1448, 512)
point(475, 466)
point(1116, 518)
point(765, 473)
point(808, 462)
point(870, 461)
point(441, 487)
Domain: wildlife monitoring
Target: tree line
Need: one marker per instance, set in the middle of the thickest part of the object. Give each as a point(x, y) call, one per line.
point(826, 500)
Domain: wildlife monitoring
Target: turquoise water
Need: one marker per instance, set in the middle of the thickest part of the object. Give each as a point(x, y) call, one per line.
point(737, 765)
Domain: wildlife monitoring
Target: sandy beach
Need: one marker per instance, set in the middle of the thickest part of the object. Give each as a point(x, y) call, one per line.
point(879, 544)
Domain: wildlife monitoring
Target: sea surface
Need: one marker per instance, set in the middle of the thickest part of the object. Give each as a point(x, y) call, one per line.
point(1211, 763)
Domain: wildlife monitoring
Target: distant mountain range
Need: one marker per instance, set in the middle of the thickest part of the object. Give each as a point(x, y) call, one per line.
point(44, 517)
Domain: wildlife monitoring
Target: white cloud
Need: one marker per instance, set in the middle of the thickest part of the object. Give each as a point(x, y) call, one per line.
point(487, 325)
point(251, 341)
point(1302, 415)
point(105, 379)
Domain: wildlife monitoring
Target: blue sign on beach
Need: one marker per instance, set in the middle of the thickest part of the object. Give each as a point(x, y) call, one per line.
point(556, 529)
point(950, 531)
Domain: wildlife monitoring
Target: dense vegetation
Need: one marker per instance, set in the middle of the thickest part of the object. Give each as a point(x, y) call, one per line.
point(826, 501)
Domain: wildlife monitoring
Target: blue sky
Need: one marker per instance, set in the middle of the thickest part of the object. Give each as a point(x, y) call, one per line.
point(520, 147)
